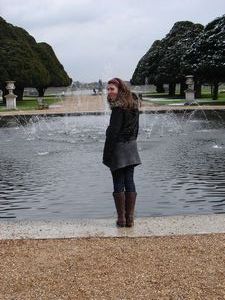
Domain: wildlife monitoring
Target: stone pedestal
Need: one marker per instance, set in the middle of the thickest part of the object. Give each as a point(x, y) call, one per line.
point(189, 92)
point(1, 97)
point(10, 101)
point(11, 97)
point(189, 95)
point(41, 103)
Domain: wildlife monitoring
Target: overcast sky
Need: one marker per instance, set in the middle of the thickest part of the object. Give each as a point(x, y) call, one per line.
point(100, 38)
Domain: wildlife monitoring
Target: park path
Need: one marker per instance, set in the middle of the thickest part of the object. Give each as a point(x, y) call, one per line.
point(97, 103)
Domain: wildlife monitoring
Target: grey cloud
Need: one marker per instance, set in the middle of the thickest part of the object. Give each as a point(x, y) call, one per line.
point(100, 38)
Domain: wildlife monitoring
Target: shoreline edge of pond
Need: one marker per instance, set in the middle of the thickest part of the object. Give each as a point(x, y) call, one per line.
point(81, 228)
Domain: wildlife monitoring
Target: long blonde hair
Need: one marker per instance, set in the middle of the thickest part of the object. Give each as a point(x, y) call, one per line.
point(125, 98)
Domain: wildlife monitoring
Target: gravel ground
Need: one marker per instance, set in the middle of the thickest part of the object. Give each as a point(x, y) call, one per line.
point(157, 267)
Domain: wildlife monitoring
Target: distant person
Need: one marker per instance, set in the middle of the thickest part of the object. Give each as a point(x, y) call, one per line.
point(140, 97)
point(94, 90)
point(100, 86)
point(120, 152)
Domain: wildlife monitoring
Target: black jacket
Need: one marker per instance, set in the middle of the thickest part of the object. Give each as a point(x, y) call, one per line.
point(123, 126)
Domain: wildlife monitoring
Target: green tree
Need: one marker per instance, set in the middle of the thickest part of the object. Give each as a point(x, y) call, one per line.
point(148, 65)
point(175, 45)
point(56, 73)
point(162, 63)
point(29, 63)
point(18, 59)
point(206, 57)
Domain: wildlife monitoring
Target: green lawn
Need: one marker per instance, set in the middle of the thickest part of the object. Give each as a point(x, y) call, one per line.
point(164, 99)
point(30, 103)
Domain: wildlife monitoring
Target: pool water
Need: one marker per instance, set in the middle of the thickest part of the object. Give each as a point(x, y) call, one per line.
point(52, 167)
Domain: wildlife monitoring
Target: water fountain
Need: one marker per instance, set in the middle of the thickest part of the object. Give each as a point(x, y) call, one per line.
point(52, 167)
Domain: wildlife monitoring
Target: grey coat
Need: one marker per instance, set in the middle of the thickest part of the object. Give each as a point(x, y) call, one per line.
point(125, 154)
point(120, 149)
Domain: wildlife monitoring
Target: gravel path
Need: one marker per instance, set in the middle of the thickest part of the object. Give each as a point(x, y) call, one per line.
point(162, 267)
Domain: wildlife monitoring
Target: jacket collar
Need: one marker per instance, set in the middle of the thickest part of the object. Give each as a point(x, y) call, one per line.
point(116, 103)
point(119, 103)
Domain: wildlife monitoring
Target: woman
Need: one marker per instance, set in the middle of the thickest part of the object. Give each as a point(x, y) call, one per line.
point(120, 152)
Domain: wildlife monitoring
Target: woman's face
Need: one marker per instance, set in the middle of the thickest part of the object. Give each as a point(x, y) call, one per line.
point(112, 91)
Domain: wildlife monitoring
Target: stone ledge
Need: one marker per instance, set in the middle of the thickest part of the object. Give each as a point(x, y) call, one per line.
point(145, 226)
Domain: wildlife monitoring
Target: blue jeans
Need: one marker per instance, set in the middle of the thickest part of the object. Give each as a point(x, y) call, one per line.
point(124, 178)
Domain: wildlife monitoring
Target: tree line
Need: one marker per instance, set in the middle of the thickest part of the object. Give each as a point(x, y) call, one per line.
point(188, 49)
point(29, 63)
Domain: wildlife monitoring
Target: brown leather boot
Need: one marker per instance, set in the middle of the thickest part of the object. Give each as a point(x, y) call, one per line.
point(130, 199)
point(119, 199)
